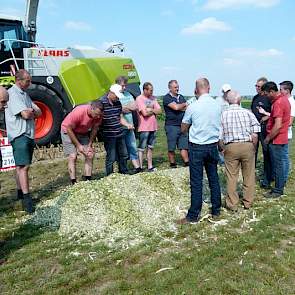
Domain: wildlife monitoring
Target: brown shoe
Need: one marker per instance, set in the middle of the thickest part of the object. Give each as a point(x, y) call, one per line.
point(186, 221)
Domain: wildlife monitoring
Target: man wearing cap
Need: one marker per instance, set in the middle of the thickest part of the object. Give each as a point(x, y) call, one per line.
point(174, 107)
point(260, 101)
point(223, 101)
point(112, 122)
point(129, 106)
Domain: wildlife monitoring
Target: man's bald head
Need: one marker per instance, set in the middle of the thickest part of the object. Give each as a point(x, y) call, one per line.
point(23, 79)
point(3, 98)
point(202, 86)
point(233, 97)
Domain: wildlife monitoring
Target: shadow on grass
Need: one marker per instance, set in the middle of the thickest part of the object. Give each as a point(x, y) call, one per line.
point(33, 227)
point(21, 237)
point(9, 202)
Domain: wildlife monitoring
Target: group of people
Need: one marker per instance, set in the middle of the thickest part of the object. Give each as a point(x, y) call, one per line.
point(113, 114)
point(223, 125)
point(206, 130)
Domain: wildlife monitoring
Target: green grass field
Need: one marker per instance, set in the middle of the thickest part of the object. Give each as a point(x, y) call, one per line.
point(253, 254)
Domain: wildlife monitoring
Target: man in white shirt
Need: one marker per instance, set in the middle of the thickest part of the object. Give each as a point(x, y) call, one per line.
point(286, 88)
point(222, 99)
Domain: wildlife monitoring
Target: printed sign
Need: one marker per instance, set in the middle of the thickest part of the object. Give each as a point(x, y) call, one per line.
point(7, 155)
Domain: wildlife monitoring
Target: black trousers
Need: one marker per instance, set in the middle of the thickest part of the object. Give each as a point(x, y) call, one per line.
point(268, 174)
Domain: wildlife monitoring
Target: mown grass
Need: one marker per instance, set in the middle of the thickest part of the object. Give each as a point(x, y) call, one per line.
point(253, 254)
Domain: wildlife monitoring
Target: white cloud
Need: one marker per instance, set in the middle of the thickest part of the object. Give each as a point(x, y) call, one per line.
point(222, 4)
point(78, 26)
point(167, 13)
point(207, 25)
point(253, 52)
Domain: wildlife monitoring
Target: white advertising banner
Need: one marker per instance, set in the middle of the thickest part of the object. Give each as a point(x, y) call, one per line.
point(7, 155)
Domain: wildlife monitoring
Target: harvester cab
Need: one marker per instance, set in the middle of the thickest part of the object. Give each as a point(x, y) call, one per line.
point(61, 77)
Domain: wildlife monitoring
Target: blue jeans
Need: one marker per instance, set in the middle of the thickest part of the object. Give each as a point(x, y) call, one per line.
point(278, 152)
point(146, 139)
point(115, 149)
point(201, 156)
point(286, 162)
point(130, 142)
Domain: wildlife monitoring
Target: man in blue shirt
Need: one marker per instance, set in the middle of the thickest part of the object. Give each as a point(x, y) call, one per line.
point(174, 107)
point(202, 119)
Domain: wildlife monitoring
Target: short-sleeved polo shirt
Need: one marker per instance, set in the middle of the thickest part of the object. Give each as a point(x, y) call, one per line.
point(16, 126)
point(79, 120)
point(147, 123)
point(126, 99)
point(280, 109)
point(204, 117)
point(111, 122)
point(173, 117)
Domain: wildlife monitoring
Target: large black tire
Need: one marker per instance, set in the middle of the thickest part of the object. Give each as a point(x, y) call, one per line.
point(48, 126)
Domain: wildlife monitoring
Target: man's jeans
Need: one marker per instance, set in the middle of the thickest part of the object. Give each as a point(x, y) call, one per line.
point(130, 142)
point(286, 163)
point(278, 153)
point(115, 149)
point(201, 156)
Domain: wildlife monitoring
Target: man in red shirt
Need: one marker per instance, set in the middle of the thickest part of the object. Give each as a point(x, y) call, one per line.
point(277, 134)
point(78, 131)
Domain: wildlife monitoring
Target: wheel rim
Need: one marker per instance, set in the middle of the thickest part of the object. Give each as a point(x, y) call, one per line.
point(44, 123)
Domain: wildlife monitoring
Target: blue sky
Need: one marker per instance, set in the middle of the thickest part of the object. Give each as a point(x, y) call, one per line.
point(227, 41)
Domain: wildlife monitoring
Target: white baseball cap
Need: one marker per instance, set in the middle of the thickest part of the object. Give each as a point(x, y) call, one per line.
point(225, 88)
point(117, 90)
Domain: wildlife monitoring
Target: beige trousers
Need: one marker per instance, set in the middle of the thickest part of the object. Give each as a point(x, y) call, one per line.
point(236, 155)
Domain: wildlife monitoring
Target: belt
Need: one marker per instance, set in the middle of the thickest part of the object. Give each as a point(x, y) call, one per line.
point(205, 145)
point(238, 142)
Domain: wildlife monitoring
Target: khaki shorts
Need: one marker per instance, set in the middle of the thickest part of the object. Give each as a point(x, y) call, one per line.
point(69, 147)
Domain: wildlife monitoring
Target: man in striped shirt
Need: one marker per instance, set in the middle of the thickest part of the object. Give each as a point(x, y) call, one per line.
point(112, 123)
point(238, 140)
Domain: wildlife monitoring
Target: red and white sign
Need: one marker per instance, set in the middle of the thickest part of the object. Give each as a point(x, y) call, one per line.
point(7, 155)
point(54, 52)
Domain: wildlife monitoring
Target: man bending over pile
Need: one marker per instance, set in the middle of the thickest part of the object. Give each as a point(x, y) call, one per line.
point(78, 131)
